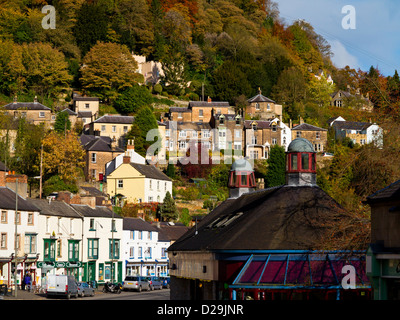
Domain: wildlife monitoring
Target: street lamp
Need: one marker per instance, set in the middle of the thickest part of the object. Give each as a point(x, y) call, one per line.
point(16, 238)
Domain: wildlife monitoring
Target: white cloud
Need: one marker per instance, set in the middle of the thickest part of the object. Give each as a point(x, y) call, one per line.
point(341, 57)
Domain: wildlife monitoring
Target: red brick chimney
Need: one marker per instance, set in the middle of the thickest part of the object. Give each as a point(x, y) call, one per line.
point(209, 100)
point(126, 159)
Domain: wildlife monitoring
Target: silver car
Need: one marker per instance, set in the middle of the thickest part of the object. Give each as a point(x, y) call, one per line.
point(85, 290)
point(136, 283)
point(155, 283)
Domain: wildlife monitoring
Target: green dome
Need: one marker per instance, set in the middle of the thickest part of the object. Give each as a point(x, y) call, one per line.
point(241, 165)
point(300, 145)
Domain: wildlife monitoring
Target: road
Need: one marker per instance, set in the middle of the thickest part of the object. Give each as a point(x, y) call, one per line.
point(131, 295)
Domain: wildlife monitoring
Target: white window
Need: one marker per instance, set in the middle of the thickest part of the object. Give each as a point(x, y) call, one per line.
point(114, 128)
point(182, 134)
point(237, 133)
point(200, 112)
point(150, 199)
point(317, 135)
point(87, 105)
point(41, 114)
point(120, 183)
point(274, 141)
point(94, 157)
point(103, 128)
point(182, 144)
point(205, 133)
point(268, 106)
point(125, 129)
point(257, 106)
point(238, 145)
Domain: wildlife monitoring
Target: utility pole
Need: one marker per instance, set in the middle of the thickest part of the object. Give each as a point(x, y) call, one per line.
point(41, 171)
point(16, 238)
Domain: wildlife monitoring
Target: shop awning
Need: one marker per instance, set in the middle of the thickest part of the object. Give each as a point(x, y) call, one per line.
point(301, 270)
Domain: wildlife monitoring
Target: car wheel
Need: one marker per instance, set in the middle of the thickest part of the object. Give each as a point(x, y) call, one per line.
point(68, 296)
point(82, 294)
point(140, 289)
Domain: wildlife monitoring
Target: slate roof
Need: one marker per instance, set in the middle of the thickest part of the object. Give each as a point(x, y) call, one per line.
point(179, 109)
point(69, 111)
point(261, 124)
point(98, 211)
point(391, 192)
point(25, 106)
point(137, 224)
point(308, 127)
point(115, 119)
point(7, 201)
point(283, 217)
point(208, 104)
point(167, 232)
point(260, 98)
point(84, 114)
point(55, 208)
point(196, 126)
point(352, 125)
point(150, 171)
point(99, 144)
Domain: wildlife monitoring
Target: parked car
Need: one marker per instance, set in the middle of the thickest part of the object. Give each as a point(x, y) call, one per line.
point(85, 290)
point(155, 283)
point(165, 282)
point(61, 285)
point(136, 283)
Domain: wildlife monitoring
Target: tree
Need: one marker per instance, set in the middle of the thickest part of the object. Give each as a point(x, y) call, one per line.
point(108, 69)
point(276, 174)
point(145, 121)
point(319, 91)
point(132, 99)
point(167, 209)
point(63, 155)
point(62, 123)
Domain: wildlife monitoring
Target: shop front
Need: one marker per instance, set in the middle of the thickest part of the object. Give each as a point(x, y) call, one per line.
point(72, 268)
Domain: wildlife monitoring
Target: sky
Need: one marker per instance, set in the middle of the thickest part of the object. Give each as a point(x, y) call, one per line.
point(371, 39)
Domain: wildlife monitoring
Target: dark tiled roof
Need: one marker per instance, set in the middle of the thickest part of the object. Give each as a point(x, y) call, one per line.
point(98, 211)
point(55, 208)
point(260, 98)
point(308, 127)
point(84, 114)
point(351, 125)
point(69, 111)
point(80, 98)
point(150, 171)
point(282, 217)
point(25, 106)
point(85, 138)
point(208, 104)
point(261, 124)
point(116, 119)
point(7, 201)
point(98, 144)
point(137, 224)
point(171, 232)
point(92, 191)
point(179, 109)
point(391, 192)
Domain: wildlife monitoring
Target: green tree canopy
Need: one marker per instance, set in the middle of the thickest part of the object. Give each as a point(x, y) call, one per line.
point(132, 99)
point(167, 210)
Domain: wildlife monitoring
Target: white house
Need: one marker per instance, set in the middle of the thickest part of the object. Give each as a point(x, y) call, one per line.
point(143, 252)
point(60, 239)
point(17, 239)
point(101, 244)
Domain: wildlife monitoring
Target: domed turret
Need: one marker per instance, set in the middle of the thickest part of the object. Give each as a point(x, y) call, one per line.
point(301, 163)
point(241, 178)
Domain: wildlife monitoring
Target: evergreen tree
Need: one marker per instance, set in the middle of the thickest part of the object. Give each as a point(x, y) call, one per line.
point(276, 174)
point(167, 209)
point(62, 123)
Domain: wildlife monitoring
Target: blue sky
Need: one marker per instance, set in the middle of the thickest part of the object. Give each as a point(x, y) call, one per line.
point(374, 41)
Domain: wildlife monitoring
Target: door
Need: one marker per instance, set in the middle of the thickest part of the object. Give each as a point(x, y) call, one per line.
point(91, 270)
point(119, 279)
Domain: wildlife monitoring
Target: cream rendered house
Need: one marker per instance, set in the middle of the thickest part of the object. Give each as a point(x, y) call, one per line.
point(138, 183)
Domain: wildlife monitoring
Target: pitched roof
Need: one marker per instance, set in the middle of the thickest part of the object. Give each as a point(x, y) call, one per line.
point(150, 171)
point(391, 192)
point(115, 119)
point(179, 109)
point(308, 127)
point(55, 208)
point(98, 211)
point(168, 232)
point(261, 124)
point(352, 125)
point(137, 224)
point(98, 144)
point(260, 98)
point(208, 104)
point(196, 126)
point(7, 201)
point(25, 106)
point(69, 111)
point(283, 217)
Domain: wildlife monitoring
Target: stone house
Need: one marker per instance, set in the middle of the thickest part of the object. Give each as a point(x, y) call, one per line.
point(199, 111)
point(316, 135)
point(228, 132)
point(84, 105)
point(34, 112)
point(263, 108)
point(113, 126)
point(342, 98)
point(260, 135)
point(100, 150)
point(359, 132)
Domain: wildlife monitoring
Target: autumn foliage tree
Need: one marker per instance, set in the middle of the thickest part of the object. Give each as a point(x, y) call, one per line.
point(63, 155)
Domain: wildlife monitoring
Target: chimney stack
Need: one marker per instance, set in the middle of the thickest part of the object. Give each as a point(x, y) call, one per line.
point(126, 159)
point(209, 100)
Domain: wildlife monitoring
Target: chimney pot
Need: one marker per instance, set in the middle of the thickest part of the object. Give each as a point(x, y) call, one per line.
point(127, 159)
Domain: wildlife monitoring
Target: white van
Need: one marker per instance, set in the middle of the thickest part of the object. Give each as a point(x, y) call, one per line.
point(61, 285)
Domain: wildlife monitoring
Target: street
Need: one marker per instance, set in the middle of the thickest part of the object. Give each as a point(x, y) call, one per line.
point(131, 295)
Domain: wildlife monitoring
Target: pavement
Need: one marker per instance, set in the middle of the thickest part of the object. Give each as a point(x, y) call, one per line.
point(23, 295)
